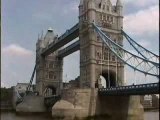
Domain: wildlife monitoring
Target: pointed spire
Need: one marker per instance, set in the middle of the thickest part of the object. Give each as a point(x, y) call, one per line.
point(38, 36)
point(42, 35)
point(119, 3)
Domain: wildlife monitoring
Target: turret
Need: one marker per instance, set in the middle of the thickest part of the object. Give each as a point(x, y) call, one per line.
point(91, 11)
point(81, 5)
point(39, 43)
point(49, 37)
point(119, 3)
point(119, 7)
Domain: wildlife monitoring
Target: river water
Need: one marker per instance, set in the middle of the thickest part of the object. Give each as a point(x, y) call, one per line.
point(13, 116)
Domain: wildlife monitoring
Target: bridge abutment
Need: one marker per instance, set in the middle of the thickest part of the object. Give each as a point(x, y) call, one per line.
point(31, 104)
point(82, 103)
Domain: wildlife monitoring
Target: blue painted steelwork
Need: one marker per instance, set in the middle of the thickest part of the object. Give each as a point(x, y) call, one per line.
point(142, 89)
point(141, 50)
point(69, 50)
point(68, 36)
point(137, 63)
point(31, 80)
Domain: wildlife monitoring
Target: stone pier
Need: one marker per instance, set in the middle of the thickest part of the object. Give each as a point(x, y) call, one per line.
point(82, 103)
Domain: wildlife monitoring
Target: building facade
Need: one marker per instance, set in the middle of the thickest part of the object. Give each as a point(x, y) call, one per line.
point(95, 58)
point(150, 101)
point(49, 68)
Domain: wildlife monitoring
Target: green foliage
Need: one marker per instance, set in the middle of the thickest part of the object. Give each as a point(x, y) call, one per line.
point(6, 94)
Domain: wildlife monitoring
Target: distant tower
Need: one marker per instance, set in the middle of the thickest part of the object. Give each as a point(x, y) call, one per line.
point(49, 68)
point(95, 58)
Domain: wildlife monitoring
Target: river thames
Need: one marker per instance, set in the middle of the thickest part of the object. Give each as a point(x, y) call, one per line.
point(13, 116)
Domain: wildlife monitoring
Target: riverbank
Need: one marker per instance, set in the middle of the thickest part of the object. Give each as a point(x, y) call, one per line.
point(6, 107)
point(151, 109)
point(13, 116)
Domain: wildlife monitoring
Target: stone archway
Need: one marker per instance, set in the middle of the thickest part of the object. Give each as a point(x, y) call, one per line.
point(107, 79)
point(49, 90)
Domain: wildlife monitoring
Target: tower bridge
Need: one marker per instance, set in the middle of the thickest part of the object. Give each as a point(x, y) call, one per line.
point(100, 41)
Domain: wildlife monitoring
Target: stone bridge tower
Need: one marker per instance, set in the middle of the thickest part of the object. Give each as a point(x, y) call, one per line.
point(49, 68)
point(95, 58)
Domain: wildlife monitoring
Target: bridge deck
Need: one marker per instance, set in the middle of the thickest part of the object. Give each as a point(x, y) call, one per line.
point(68, 36)
point(69, 50)
point(142, 89)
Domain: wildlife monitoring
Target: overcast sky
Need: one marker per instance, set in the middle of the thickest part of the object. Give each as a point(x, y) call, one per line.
point(23, 20)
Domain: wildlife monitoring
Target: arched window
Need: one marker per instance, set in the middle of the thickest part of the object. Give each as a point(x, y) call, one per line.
point(51, 65)
point(103, 7)
point(99, 5)
point(46, 74)
point(46, 65)
point(51, 74)
point(107, 18)
point(98, 38)
point(107, 8)
point(113, 58)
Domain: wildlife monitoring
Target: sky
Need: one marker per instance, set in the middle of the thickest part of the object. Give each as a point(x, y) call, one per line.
point(24, 20)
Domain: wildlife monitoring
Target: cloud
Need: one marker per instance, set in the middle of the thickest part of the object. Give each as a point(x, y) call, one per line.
point(16, 50)
point(144, 21)
point(17, 64)
point(141, 3)
point(42, 16)
point(144, 43)
point(131, 76)
point(3, 84)
point(72, 7)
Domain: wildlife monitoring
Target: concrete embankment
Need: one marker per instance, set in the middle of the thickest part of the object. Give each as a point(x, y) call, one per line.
point(86, 103)
point(6, 106)
point(31, 104)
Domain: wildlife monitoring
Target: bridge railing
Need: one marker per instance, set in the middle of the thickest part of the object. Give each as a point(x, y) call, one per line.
point(71, 30)
point(151, 88)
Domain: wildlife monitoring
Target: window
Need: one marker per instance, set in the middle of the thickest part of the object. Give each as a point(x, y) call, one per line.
point(51, 75)
point(103, 7)
point(111, 19)
point(51, 65)
point(107, 8)
point(107, 18)
point(98, 38)
point(46, 65)
point(85, 16)
point(104, 17)
point(113, 58)
point(46, 74)
point(101, 16)
point(114, 40)
point(99, 5)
